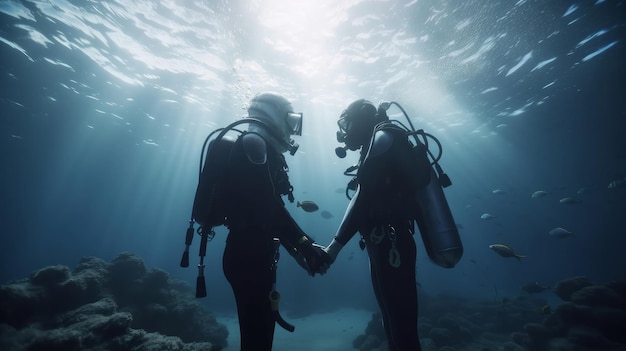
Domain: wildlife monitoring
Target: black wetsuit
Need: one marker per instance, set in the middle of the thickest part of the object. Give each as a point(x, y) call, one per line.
point(383, 210)
point(256, 180)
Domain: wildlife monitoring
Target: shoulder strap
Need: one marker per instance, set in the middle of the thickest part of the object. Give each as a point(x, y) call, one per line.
point(279, 169)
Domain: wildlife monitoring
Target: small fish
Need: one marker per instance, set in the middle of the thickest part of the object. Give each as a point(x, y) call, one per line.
point(505, 251)
point(534, 288)
point(487, 216)
point(560, 233)
point(539, 193)
point(326, 214)
point(308, 206)
point(498, 191)
point(617, 183)
point(568, 200)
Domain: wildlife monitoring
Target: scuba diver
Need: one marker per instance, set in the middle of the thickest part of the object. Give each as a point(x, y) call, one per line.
point(241, 186)
point(394, 187)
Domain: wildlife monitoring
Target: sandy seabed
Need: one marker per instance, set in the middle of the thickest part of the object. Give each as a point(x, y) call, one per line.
point(329, 331)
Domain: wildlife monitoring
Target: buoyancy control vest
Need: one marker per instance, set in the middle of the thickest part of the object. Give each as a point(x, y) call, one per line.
point(212, 203)
point(433, 216)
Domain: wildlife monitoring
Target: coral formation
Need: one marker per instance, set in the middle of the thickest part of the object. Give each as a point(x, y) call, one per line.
point(592, 317)
point(120, 305)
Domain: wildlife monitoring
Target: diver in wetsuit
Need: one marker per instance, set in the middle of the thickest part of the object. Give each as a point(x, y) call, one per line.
point(252, 176)
point(396, 186)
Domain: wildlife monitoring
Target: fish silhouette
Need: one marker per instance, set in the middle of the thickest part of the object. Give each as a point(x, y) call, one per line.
point(560, 233)
point(505, 251)
point(308, 206)
point(539, 193)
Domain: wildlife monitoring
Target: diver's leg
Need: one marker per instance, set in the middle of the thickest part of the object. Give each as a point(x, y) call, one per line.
point(375, 261)
point(246, 269)
point(258, 323)
point(397, 292)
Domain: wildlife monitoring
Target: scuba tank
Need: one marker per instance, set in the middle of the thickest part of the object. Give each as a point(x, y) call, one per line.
point(438, 229)
point(209, 209)
point(436, 224)
point(209, 206)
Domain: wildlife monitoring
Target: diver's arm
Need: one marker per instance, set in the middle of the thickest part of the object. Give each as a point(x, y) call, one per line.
point(301, 246)
point(369, 175)
point(347, 228)
point(309, 255)
point(288, 231)
point(256, 151)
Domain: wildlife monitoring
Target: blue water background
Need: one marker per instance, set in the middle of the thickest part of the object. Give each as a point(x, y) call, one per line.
point(105, 105)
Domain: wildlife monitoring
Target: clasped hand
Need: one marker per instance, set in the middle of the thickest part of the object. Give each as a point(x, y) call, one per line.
point(316, 260)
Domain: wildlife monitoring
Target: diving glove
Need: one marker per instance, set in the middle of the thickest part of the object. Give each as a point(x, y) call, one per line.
point(311, 256)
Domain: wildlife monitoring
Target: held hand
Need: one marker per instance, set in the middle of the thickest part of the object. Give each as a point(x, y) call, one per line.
point(313, 258)
point(324, 260)
point(301, 262)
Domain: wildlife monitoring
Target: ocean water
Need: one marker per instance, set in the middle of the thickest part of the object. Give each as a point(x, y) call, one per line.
point(105, 106)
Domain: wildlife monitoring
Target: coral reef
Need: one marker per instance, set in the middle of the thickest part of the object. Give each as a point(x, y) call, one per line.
point(448, 323)
point(592, 317)
point(120, 305)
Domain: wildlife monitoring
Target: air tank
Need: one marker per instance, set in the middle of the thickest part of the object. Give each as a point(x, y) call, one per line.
point(437, 226)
